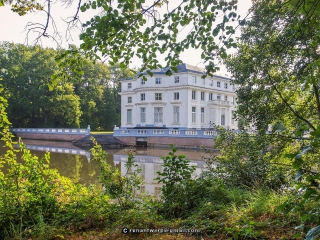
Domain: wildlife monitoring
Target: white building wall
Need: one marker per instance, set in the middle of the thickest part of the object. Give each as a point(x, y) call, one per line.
point(213, 109)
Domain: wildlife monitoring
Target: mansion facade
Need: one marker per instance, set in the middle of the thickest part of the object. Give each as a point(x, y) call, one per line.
point(183, 100)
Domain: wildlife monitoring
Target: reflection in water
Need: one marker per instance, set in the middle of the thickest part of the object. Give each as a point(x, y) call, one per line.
point(75, 163)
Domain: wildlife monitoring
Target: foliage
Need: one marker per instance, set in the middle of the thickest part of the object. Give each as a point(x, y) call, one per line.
point(250, 160)
point(37, 100)
point(26, 73)
point(276, 69)
point(120, 187)
point(177, 184)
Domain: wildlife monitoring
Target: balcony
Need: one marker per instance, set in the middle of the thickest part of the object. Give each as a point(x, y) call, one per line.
point(221, 103)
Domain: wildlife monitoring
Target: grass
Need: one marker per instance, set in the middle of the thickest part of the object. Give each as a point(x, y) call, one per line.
point(101, 132)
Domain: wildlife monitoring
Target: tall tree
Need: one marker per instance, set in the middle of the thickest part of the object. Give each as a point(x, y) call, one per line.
point(277, 72)
point(26, 73)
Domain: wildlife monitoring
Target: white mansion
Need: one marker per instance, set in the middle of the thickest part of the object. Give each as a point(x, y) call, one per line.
point(181, 101)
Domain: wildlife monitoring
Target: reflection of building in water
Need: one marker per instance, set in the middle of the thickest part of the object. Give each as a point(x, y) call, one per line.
point(149, 166)
point(55, 147)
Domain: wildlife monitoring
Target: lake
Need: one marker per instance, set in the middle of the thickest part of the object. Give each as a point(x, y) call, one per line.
point(76, 163)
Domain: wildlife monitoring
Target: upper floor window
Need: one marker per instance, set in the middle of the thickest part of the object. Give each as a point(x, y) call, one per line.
point(226, 85)
point(129, 85)
point(193, 95)
point(158, 96)
point(218, 84)
point(143, 81)
point(203, 81)
point(158, 81)
point(142, 96)
point(218, 97)
point(210, 96)
point(129, 99)
point(176, 96)
point(211, 82)
point(202, 96)
point(176, 79)
point(226, 98)
point(194, 79)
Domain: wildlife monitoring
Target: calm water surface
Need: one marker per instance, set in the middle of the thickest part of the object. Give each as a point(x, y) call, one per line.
point(76, 163)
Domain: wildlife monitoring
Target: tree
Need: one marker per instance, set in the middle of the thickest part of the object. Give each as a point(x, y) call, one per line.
point(134, 28)
point(276, 69)
point(26, 73)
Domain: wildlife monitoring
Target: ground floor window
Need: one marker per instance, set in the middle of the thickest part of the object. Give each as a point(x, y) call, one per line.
point(143, 115)
point(223, 120)
point(176, 117)
point(158, 114)
point(202, 115)
point(193, 114)
point(129, 116)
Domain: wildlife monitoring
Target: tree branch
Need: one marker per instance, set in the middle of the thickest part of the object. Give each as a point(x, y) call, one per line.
point(316, 93)
point(290, 108)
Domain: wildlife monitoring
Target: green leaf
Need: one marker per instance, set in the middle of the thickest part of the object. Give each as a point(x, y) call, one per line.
point(1, 3)
point(168, 73)
point(150, 73)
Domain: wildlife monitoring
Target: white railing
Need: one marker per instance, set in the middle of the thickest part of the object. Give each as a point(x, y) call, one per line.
point(174, 132)
point(158, 132)
point(191, 132)
point(142, 131)
point(125, 132)
point(209, 133)
point(220, 102)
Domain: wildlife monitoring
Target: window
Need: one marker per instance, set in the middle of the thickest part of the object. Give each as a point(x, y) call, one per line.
point(157, 168)
point(218, 97)
point(143, 81)
point(193, 95)
point(158, 96)
point(232, 117)
point(129, 116)
point(202, 96)
point(203, 81)
point(157, 191)
point(143, 115)
point(129, 99)
point(129, 85)
point(193, 114)
point(194, 79)
point(226, 98)
point(142, 188)
point(210, 96)
point(222, 120)
point(158, 113)
point(158, 80)
point(232, 100)
point(142, 96)
point(176, 96)
point(176, 79)
point(211, 82)
point(226, 85)
point(202, 115)
point(218, 84)
point(176, 117)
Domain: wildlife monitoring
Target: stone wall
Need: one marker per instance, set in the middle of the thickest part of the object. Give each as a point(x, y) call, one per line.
point(176, 141)
point(48, 136)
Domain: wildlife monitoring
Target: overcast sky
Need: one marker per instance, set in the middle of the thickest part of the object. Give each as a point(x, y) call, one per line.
point(13, 29)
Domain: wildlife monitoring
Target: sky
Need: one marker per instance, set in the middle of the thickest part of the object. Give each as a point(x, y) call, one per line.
point(13, 29)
